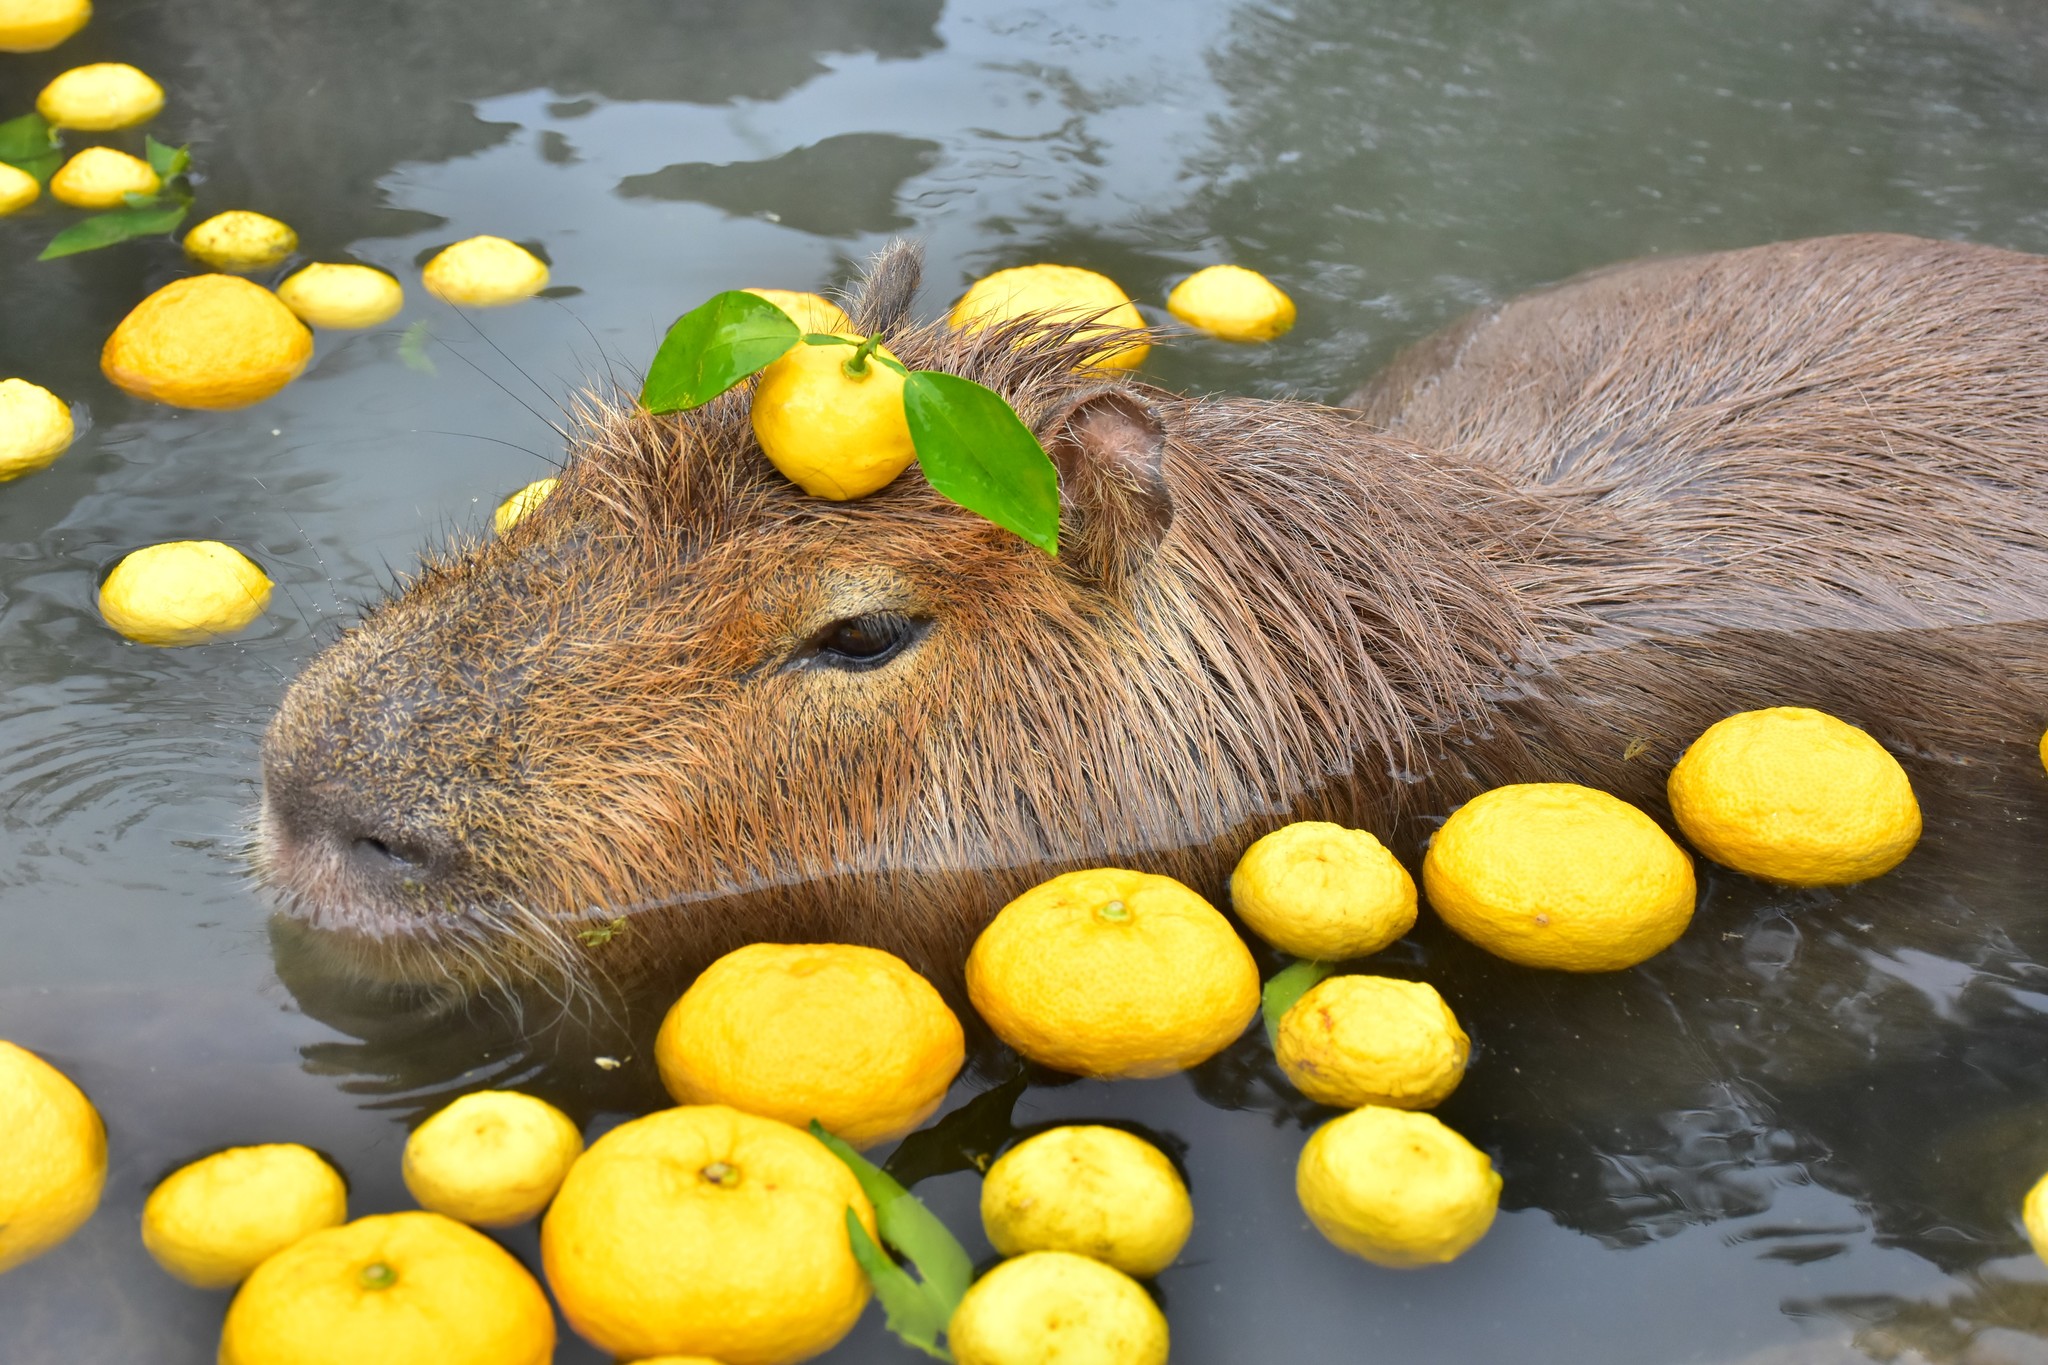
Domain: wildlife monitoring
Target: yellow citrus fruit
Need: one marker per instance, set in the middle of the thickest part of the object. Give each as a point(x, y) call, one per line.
point(100, 98)
point(1094, 1191)
point(833, 433)
point(1232, 303)
point(849, 1036)
point(340, 297)
point(53, 1156)
point(2034, 1213)
point(1060, 292)
point(35, 428)
point(1549, 874)
point(99, 177)
point(18, 189)
point(211, 341)
point(1355, 1040)
point(519, 504)
point(241, 240)
point(1113, 973)
point(676, 1360)
point(214, 1221)
point(38, 25)
point(706, 1231)
point(483, 272)
point(812, 312)
point(397, 1288)
point(2044, 751)
point(1396, 1187)
point(1793, 795)
point(183, 592)
point(1056, 1308)
point(1323, 892)
point(493, 1158)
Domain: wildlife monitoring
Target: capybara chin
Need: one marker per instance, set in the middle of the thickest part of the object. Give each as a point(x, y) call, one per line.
point(683, 706)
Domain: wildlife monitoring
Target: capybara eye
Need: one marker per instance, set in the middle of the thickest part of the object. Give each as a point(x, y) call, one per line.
point(859, 642)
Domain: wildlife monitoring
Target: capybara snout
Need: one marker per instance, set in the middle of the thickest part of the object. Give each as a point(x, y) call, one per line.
point(682, 706)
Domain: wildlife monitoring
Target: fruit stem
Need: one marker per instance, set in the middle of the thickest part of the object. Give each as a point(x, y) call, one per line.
point(378, 1275)
point(722, 1174)
point(1115, 912)
point(857, 364)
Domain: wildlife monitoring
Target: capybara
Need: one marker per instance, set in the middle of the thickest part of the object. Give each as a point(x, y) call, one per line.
point(684, 706)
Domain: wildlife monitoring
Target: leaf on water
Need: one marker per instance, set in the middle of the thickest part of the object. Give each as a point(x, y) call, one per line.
point(908, 1226)
point(168, 162)
point(412, 349)
point(910, 1311)
point(106, 229)
point(976, 451)
point(1288, 985)
point(966, 1139)
point(27, 138)
point(713, 347)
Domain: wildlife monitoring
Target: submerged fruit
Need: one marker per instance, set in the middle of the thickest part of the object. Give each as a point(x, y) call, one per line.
point(39, 25)
point(342, 296)
point(812, 312)
point(101, 178)
point(849, 1036)
point(1396, 1187)
point(519, 504)
point(484, 272)
point(241, 240)
point(211, 341)
point(834, 432)
point(1355, 1040)
point(706, 1231)
point(1549, 874)
point(1052, 1306)
point(1094, 1191)
point(1063, 293)
point(398, 1289)
point(212, 1222)
point(18, 189)
point(35, 428)
point(53, 1156)
point(1793, 795)
point(100, 98)
point(1232, 303)
point(1113, 973)
point(1323, 892)
point(183, 592)
point(493, 1158)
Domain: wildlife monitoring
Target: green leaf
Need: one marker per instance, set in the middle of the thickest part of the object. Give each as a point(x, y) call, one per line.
point(966, 1139)
point(412, 349)
point(713, 347)
point(106, 229)
point(911, 1311)
point(908, 1226)
point(41, 167)
point(1285, 987)
point(167, 162)
point(976, 451)
point(27, 138)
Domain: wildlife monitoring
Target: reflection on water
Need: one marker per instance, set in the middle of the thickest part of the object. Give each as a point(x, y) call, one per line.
point(1799, 1136)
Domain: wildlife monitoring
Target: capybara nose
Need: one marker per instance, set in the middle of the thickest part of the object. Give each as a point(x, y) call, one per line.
point(386, 858)
point(321, 832)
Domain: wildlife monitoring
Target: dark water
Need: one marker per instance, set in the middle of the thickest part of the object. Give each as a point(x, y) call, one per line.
point(1800, 1136)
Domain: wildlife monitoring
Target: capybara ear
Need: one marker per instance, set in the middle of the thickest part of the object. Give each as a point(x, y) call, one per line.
point(1109, 448)
point(882, 299)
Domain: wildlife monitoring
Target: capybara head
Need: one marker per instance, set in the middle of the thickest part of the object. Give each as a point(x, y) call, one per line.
point(684, 706)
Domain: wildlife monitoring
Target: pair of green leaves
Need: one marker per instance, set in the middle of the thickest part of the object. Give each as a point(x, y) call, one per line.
point(29, 143)
point(917, 1309)
point(972, 446)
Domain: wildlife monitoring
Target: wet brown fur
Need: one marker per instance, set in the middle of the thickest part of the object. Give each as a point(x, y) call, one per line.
point(1566, 537)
